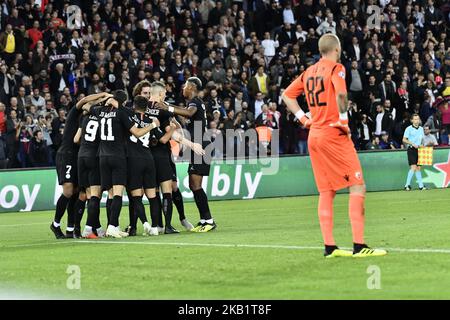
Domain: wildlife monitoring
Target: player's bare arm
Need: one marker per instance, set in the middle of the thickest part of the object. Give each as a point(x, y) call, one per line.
point(294, 107)
point(77, 137)
point(289, 97)
point(196, 147)
point(139, 132)
point(185, 112)
point(177, 124)
point(92, 98)
point(178, 136)
point(169, 132)
point(86, 107)
point(342, 102)
point(338, 81)
point(179, 128)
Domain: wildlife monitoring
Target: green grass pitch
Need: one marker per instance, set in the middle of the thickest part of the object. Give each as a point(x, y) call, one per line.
point(262, 249)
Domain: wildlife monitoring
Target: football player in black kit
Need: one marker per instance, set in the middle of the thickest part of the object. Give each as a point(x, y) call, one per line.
point(141, 167)
point(115, 128)
point(142, 88)
point(162, 155)
point(198, 168)
point(66, 168)
point(88, 136)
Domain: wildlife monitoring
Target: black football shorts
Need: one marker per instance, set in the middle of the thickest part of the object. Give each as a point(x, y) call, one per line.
point(141, 173)
point(113, 172)
point(88, 172)
point(197, 164)
point(163, 166)
point(66, 168)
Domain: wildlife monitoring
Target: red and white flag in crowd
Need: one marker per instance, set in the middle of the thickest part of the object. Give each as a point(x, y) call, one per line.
point(41, 4)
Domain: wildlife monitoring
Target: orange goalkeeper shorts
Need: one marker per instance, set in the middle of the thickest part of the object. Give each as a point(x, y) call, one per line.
point(334, 160)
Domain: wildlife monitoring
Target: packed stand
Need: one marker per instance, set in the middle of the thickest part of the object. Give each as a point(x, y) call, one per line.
point(245, 53)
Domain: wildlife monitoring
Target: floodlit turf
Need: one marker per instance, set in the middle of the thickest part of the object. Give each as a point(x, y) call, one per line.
point(262, 249)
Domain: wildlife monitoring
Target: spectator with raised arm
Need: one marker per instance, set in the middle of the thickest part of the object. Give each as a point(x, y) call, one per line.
point(38, 150)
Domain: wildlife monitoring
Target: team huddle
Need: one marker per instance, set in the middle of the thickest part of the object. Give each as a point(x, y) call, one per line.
point(111, 146)
point(114, 147)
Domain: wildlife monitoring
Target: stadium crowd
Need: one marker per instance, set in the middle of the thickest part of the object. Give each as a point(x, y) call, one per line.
point(245, 52)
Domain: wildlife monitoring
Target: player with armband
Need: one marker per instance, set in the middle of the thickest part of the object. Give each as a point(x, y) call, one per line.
point(199, 166)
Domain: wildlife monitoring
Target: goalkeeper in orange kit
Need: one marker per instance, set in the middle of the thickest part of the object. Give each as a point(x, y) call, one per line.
point(333, 157)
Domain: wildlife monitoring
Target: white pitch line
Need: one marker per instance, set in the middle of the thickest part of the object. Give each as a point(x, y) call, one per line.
point(418, 250)
point(23, 224)
point(38, 244)
point(222, 245)
point(268, 246)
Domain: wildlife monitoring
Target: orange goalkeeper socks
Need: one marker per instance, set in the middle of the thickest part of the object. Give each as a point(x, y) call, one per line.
point(326, 216)
point(356, 214)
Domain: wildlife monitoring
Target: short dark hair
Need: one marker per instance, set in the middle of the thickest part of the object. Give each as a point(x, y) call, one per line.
point(120, 96)
point(414, 115)
point(35, 133)
point(140, 103)
point(196, 81)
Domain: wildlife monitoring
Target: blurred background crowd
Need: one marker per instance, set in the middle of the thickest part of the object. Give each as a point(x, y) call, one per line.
point(245, 52)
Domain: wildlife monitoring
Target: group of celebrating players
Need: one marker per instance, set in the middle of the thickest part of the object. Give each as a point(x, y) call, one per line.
point(121, 147)
point(110, 145)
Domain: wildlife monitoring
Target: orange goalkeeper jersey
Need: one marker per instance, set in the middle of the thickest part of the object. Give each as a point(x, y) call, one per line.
point(320, 82)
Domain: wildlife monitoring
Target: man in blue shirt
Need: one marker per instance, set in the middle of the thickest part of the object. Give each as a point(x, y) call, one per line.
point(412, 138)
point(386, 142)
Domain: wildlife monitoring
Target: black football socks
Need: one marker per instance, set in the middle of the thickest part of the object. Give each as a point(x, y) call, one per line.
point(177, 199)
point(108, 210)
point(131, 213)
point(155, 208)
point(79, 212)
point(167, 208)
point(160, 219)
point(93, 212)
point(139, 211)
point(201, 200)
point(330, 249)
point(71, 212)
point(116, 206)
point(61, 207)
point(357, 247)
